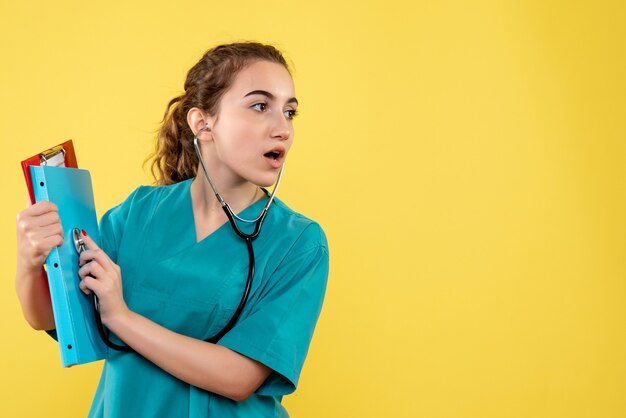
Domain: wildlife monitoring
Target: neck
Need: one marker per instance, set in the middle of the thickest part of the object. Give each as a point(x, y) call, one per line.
point(238, 196)
point(207, 211)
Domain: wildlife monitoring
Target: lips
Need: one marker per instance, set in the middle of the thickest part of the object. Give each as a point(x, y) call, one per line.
point(275, 157)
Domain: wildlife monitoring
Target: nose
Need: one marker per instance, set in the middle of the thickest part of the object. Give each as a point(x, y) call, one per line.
point(282, 128)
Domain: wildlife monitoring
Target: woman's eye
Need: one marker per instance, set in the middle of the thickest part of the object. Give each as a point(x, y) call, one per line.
point(291, 113)
point(260, 107)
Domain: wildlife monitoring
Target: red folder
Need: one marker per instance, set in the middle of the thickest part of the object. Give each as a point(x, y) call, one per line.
point(64, 151)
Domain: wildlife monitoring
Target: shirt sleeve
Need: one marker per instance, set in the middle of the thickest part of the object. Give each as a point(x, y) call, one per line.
point(112, 225)
point(279, 328)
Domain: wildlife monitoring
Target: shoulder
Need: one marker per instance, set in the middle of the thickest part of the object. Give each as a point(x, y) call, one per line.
point(300, 232)
point(142, 198)
point(133, 212)
point(138, 207)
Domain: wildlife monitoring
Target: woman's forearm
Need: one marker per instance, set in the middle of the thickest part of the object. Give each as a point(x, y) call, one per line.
point(38, 232)
point(211, 367)
point(34, 296)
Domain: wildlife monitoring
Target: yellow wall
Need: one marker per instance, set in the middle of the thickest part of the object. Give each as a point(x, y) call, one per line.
point(466, 161)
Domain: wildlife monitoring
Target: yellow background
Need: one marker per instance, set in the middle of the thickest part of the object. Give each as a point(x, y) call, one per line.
point(466, 159)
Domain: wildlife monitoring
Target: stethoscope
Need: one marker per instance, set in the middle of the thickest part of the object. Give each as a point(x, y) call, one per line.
point(232, 218)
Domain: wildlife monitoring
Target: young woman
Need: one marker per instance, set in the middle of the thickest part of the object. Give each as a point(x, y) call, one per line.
point(170, 270)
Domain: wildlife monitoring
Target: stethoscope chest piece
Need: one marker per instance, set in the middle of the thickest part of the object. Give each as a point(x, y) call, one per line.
point(79, 244)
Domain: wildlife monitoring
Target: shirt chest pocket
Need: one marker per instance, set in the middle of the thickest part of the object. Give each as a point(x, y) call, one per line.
point(190, 295)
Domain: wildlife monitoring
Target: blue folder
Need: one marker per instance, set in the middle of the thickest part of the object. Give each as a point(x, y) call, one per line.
point(74, 315)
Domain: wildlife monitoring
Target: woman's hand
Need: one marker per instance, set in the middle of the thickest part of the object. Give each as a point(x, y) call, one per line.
point(102, 276)
point(39, 230)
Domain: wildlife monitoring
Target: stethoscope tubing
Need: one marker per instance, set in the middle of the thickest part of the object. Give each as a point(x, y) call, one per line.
point(230, 213)
point(248, 238)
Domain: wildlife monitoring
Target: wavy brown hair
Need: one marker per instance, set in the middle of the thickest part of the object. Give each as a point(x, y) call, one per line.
point(174, 158)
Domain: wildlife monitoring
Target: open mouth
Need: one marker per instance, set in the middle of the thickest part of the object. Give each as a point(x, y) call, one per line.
point(274, 155)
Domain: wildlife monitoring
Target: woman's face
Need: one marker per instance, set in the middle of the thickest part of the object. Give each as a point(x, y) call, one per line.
point(253, 129)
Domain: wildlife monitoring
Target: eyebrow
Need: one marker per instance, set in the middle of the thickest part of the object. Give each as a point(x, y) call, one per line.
point(270, 95)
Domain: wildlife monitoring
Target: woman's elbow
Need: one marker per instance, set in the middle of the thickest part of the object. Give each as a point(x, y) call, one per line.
point(242, 391)
point(241, 379)
point(244, 387)
point(237, 394)
point(240, 396)
point(39, 323)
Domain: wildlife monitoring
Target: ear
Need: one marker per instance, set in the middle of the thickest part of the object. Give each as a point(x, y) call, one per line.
point(198, 119)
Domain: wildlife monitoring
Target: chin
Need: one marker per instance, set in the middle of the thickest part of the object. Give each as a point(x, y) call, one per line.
point(265, 184)
point(266, 181)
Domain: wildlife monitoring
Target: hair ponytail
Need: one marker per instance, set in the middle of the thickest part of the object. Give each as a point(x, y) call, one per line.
point(174, 158)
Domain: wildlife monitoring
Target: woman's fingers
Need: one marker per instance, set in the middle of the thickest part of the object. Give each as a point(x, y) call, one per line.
point(100, 275)
point(89, 255)
point(38, 231)
point(28, 223)
point(38, 224)
point(45, 219)
point(90, 284)
point(49, 231)
point(83, 286)
point(95, 253)
point(45, 245)
point(89, 275)
point(38, 215)
point(40, 208)
point(44, 239)
point(92, 268)
point(91, 244)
